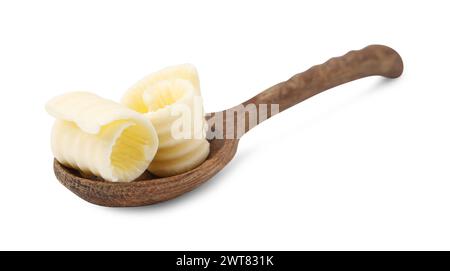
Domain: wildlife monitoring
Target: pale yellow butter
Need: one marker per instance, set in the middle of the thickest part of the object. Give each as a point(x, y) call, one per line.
point(171, 99)
point(100, 137)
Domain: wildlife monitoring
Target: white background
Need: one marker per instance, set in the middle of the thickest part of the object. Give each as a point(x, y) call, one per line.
point(364, 166)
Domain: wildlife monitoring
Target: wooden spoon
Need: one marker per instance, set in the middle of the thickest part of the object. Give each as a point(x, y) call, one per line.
point(148, 189)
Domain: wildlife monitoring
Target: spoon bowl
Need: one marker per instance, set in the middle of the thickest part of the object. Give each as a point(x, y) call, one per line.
point(148, 189)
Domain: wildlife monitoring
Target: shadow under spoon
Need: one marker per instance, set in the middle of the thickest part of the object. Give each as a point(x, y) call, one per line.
point(148, 189)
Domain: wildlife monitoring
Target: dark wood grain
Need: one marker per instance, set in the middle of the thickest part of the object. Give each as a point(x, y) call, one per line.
point(148, 189)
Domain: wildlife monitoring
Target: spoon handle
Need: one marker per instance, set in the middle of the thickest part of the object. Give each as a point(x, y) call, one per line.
point(371, 60)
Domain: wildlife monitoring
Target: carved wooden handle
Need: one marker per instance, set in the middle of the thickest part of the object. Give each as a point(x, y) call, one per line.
point(371, 60)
